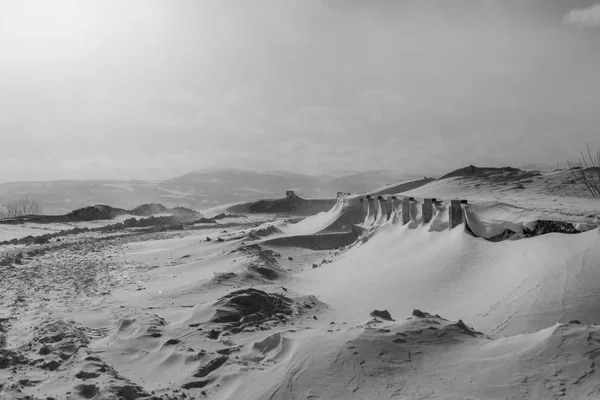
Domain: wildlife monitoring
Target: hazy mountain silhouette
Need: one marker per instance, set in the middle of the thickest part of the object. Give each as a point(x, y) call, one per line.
point(199, 190)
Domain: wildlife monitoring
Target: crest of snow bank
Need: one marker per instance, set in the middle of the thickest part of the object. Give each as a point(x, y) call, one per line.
point(584, 17)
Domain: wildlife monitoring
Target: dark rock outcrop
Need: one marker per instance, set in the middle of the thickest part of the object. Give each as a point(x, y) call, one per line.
point(383, 314)
point(420, 314)
point(544, 226)
point(499, 175)
point(251, 306)
point(104, 212)
point(94, 213)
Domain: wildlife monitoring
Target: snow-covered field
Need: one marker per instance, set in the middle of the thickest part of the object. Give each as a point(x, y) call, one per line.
point(217, 312)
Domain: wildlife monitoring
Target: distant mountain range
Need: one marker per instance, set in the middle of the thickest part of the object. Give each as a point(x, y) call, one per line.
point(198, 190)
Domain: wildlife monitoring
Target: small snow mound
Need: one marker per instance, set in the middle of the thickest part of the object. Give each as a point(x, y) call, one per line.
point(272, 348)
point(265, 230)
point(581, 227)
point(271, 342)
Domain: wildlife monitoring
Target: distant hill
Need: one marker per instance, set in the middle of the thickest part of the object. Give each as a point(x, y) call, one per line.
point(502, 174)
point(106, 212)
point(213, 187)
point(198, 190)
point(369, 180)
point(60, 197)
point(291, 204)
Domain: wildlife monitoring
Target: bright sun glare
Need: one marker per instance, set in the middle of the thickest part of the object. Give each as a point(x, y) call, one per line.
point(37, 32)
point(45, 22)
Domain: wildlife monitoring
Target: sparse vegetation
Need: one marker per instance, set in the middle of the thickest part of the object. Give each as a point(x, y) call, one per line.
point(586, 170)
point(24, 205)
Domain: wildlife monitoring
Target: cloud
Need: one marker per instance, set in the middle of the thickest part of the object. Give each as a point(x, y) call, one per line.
point(584, 17)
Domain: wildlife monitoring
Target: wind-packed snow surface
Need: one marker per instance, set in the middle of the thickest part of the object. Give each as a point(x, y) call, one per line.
point(526, 289)
point(495, 308)
point(527, 295)
point(506, 287)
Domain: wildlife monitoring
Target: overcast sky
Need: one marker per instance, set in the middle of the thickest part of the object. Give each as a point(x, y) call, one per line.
point(151, 89)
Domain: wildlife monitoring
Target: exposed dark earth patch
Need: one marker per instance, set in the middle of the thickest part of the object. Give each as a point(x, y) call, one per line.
point(252, 309)
point(251, 305)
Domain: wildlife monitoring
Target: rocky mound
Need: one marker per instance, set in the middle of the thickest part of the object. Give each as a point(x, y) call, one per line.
point(536, 228)
point(251, 305)
point(148, 209)
point(91, 213)
point(184, 213)
point(94, 213)
point(252, 309)
point(383, 314)
point(544, 226)
point(459, 326)
point(498, 175)
point(105, 212)
point(291, 204)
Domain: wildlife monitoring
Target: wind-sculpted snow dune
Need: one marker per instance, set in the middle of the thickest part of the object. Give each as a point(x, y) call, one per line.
point(305, 226)
point(430, 357)
point(505, 287)
point(497, 221)
point(363, 216)
point(326, 230)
